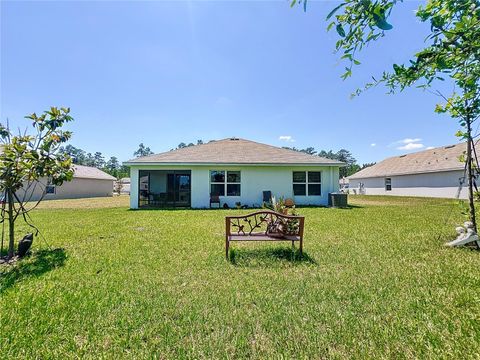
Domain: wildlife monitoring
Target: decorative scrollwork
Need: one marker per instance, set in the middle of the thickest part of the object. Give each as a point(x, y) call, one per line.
point(268, 223)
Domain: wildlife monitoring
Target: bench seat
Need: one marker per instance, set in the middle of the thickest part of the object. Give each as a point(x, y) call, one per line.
point(262, 237)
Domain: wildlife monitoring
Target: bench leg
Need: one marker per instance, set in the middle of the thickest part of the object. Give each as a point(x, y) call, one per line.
point(227, 245)
point(301, 247)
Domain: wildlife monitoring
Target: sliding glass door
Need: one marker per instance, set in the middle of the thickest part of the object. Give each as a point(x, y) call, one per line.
point(165, 188)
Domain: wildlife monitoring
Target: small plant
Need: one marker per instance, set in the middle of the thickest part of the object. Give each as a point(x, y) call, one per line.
point(118, 186)
point(238, 204)
point(279, 205)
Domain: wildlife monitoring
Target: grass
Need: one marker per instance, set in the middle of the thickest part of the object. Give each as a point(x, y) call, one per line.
point(375, 282)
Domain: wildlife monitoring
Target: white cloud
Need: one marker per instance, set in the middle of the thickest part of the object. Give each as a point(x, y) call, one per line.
point(408, 144)
point(373, 144)
point(408, 141)
point(286, 138)
point(411, 146)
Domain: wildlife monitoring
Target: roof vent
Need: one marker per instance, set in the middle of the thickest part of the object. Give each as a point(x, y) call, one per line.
point(449, 146)
point(403, 155)
point(234, 138)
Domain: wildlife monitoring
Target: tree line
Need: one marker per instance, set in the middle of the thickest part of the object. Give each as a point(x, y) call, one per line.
point(111, 166)
point(342, 155)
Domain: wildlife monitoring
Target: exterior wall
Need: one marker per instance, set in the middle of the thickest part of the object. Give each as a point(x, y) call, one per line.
point(78, 188)
point(440, 184)
point(254, 180)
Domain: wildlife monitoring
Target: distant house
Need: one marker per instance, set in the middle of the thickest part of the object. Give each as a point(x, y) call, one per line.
point(87, 182)
point(436, 172)
point(233, 171)
point(125, 185)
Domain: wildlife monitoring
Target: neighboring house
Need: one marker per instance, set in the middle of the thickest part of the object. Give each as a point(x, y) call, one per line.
point(87, 182)
point(436, 172)
point(235, 170)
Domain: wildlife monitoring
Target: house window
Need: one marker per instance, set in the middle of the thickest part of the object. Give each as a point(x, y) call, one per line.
point(233, 183)
point(388, 184)
point(217, 182)
point(225, 182)
point(299, 183)
point(307, 182)
point(50, 189)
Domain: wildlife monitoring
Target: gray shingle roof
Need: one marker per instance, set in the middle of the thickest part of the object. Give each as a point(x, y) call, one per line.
point(88, 172)
point(233, 151)
point(445, 158)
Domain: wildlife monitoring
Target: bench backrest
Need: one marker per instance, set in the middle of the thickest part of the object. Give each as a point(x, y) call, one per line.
point(265, 222)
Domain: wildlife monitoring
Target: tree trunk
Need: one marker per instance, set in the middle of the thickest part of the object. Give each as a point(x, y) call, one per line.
point(11, 224)
point(470, 175)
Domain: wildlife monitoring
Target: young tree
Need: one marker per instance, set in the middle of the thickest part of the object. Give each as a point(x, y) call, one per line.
point(142, 151)
point(118, 186)
point(452, 51)
point(25, 160)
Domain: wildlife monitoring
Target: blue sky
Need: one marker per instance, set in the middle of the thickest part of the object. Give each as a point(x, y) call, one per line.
point(163, 72)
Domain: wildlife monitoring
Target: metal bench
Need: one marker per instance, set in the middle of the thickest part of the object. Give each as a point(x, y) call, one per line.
point(264, 226)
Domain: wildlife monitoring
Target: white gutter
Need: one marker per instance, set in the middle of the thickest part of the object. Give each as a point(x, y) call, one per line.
point(127, 163)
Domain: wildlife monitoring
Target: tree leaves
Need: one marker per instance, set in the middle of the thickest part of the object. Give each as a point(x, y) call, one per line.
point(378, 15)
point(331, 13)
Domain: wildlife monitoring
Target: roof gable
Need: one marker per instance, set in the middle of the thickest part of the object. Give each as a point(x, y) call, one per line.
point(234, 151)
point(439, 159)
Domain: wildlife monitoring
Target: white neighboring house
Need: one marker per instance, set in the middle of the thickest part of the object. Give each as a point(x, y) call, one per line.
point(235, 170)
point(87, 182)
point(435, 172)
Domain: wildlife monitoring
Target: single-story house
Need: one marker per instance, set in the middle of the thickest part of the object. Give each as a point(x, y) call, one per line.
point(234, 170)
point(435, 172)
point(87, 182)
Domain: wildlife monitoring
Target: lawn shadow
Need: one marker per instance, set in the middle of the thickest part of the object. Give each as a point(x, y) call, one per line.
point(268, 256)
point(35, 265)
point(348, 207)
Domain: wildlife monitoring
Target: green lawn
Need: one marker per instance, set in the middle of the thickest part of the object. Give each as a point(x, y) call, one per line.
point(376, 282)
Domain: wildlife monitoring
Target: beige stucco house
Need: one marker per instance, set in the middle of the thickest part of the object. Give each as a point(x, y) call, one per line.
point(87, 182)
point(435, 172)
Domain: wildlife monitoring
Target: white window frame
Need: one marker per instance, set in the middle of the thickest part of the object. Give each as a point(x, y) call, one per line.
point(306, 183)
point(225, 182)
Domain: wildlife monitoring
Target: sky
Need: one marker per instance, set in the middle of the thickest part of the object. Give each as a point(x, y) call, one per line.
point(166, 72)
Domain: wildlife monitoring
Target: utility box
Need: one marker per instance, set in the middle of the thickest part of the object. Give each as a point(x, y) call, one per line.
point(338, 200)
